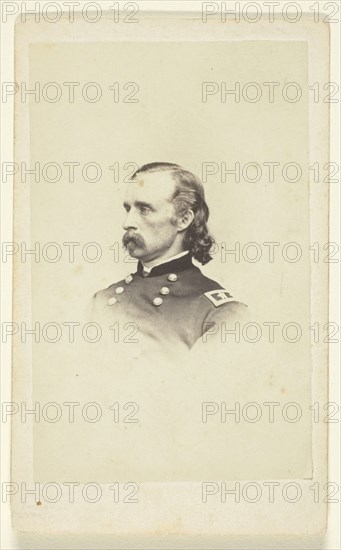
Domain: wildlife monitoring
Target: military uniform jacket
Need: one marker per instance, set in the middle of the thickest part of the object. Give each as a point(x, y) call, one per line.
point(173, 304)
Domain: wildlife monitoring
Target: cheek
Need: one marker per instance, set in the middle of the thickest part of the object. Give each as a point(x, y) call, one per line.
point(167, 228)
point(159, 223)
point(160, 230)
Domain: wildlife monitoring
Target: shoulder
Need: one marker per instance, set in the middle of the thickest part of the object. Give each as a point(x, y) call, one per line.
point(213, 294)
point(220, 306)
point(105, 293)
point(216, 308)
point(217, 303)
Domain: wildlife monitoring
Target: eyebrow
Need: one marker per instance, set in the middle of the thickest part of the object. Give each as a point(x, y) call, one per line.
point(139, 204)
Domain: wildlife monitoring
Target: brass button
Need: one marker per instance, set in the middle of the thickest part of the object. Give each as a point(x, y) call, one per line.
point(157, 301)
point(172, 277)
point(112, 301)
point(119, 290)
point(164, 290)
point(128, 279)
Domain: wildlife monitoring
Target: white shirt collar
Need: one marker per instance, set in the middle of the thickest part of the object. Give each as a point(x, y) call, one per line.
point(148, 269)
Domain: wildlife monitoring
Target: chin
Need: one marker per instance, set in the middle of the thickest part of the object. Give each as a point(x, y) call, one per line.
point(135, 252)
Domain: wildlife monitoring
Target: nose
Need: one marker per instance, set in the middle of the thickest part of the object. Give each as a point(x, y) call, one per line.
point(130, 221)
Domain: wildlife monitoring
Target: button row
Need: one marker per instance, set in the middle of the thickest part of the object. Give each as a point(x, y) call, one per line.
point(157, 301)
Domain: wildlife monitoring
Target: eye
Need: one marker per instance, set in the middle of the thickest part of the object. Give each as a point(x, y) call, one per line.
point(126, 207)
point(144, 209)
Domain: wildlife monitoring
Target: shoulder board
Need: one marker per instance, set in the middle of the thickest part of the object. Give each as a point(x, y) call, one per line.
point(219, 297)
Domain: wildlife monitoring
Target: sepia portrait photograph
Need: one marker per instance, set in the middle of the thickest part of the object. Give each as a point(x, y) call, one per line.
point(171, 258)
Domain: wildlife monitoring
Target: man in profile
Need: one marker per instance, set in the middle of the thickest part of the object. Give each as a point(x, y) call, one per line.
point(167, 298)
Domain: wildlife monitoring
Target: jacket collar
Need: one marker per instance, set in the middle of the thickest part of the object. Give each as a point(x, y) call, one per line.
point(173, 266)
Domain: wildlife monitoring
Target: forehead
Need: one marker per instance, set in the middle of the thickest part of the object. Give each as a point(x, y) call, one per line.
point(152, 187)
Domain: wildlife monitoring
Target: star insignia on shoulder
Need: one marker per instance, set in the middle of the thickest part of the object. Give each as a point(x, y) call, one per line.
point(219, 297)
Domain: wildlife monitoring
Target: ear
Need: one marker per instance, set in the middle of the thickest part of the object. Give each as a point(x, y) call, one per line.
point(185, 220)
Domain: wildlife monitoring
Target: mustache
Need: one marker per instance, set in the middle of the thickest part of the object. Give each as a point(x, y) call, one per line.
point(133, 238)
